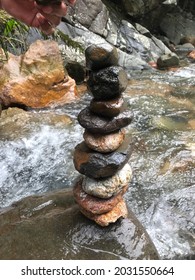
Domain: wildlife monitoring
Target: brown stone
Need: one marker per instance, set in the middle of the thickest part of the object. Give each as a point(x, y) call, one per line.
point(95, 205)
point(119, 211)
point(36, 79)
point(192, 55)
point(107, 108)
point(100, 56)
point(104, 143)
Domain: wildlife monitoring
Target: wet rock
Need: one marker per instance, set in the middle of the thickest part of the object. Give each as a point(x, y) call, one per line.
point(17, 123)
point(104, 143)
point(106, 188)
point(119, 211)
point(51, 227)
point(188, 39)
point(37, 78)
point(167, 60)
point(170, 122)
point(101, 56)
point(76, 71)
point(95, 205)
point(109, 108)
point(97, 165)
point(107, 83)
point(101, 125)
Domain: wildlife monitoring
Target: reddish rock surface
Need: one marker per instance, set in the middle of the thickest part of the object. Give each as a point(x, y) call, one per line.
point(36, 79)
point(95, 205)
point(119, 211)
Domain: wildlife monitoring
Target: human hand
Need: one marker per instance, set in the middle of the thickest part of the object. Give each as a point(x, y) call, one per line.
point(46, 18)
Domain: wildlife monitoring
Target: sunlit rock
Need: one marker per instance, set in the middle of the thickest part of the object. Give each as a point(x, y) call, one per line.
point(51, 227)
point(104, 143)
point(36, 79)
point(108, 187)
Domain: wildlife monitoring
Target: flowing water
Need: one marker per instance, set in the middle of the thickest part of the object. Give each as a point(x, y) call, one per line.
point(162, 192)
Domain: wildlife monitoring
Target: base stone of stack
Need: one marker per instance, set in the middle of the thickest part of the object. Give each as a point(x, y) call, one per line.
point(119, 211)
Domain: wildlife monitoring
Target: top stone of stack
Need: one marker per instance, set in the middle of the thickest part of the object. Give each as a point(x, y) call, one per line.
point(101, 56)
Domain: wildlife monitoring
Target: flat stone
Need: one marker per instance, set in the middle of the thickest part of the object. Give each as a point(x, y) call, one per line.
point(109, 187)
point(102, 125)
point(107, 108)
point(104, 143)
point(51, 227)
point(95, 205)
point(119, 211)
point(100, 56)
point(107, 83)
point(98, 165)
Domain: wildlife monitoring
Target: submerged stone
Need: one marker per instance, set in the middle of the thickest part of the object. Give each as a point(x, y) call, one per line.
point(100, 56)
point(107, 83)
point(51, 227)
point(107, 108)
point(102, 125)
point(95, 205)
point(104, 143)
point(106, 188)
point(119, 211)
point(98, 165)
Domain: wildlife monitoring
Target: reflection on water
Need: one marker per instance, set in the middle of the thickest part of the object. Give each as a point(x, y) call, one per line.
point(163, 160)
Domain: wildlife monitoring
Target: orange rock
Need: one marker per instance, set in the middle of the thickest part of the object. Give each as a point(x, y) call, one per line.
point(37, 79)
point(192, 55)
point(95, 205)
point(119, 211)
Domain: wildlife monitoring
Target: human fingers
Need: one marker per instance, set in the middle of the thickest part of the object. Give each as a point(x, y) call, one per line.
point(44, 25)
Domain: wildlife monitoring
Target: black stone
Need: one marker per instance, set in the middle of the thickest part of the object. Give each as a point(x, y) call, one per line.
point(102, 125)
point(101, 56)
point(108, 108)
point(107, 83)
point(97, 165)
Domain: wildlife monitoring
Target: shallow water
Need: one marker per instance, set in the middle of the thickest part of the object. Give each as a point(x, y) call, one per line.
point(162, 192)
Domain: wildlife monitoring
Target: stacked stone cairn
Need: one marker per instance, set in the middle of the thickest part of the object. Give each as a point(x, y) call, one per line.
point(103, 155)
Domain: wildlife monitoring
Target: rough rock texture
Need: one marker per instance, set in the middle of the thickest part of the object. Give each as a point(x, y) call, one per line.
point(36, 79)
point(108, 187)
point(97, 165)
point(104, 143)
point(109, 108)
point(95, 205)
point(51, 227)
point(119, 211)
point(101, 125)
point(107, 83)
point(100, 56)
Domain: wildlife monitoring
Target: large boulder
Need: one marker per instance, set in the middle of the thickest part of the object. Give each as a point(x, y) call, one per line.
point(36, 79)
point(51, 227)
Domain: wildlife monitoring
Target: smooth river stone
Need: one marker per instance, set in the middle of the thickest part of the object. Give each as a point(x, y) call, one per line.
point(108, 187)
point(92, 204)
point(100, 56)
point(102, 125)
point(51, 227)
point(119, 211)
point(98, 165)
point(104, 143)
point(107, 108)
point(107, 83)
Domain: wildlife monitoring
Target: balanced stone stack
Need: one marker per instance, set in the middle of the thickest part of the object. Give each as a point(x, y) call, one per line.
point(103, 155)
